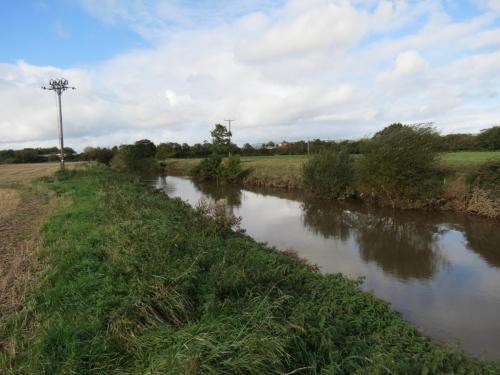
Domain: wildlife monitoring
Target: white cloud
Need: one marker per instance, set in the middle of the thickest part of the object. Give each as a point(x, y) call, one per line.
point(408, 64)
point(315, 68)
point(330, 25)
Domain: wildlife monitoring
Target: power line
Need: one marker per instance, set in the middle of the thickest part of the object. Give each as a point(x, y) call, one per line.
point(59, 86)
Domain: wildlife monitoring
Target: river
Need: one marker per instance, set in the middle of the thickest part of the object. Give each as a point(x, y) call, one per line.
point(440, 270)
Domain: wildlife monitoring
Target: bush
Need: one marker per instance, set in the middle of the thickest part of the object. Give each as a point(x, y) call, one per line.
point(486, 177)
point(489, 139)
point(214, 168)
point(329, 173)
point(399, 164)
point(101, 155)
point(135, 159)
point(207, 169)
point(221, 214)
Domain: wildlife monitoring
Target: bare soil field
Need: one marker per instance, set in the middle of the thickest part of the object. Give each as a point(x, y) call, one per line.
point(22, 211)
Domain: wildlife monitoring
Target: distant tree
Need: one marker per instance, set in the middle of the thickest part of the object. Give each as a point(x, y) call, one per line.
point(248, 150)
point(101, 155)
point(136, 158)
point(144, 149)
point(457, 142)
point(489, 139)
point(165, 151)
point(221, 137)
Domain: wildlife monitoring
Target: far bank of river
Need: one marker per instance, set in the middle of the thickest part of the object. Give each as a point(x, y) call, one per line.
point(440, 270)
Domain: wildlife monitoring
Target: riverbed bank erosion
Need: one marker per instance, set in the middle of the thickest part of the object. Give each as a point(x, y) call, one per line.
point(134, 282)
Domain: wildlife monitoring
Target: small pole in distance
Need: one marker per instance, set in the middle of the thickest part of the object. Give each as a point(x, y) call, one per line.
point(230, 134)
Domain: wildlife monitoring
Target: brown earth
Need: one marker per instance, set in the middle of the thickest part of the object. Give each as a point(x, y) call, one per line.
point(22, 211)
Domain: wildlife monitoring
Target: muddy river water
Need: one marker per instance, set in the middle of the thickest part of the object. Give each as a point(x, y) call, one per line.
point(440, 270)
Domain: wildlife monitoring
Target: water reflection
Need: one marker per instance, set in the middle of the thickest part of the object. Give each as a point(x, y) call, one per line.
point(402, 244)
point(440, 270)
point(230, 194)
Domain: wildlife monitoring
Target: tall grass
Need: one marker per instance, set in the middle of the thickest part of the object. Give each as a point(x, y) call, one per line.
point(137, 283)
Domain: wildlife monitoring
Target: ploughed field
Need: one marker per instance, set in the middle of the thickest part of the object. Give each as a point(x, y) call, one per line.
point(23, 208)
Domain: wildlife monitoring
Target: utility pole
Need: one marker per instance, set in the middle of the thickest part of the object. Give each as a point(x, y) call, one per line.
point(230, 134)
point(59, 86)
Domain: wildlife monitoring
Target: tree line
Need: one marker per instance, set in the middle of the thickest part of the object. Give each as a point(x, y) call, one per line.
point(486, 140)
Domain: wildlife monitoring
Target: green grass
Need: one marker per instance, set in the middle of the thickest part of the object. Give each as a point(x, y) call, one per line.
point(468, 158)
point(134, 282)
point(286, 170)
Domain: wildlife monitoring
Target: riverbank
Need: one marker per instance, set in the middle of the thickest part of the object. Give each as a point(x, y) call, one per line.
point(458, 193)
point(134, 282)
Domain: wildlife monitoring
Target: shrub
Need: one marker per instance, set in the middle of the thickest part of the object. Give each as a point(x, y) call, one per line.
point(207, 169)
point(230, 169)
point(486, 177)
point(220, 213)
point(399, 163)
point(134, 159)
point(214, 168)
point(329, 173)
point(101, 155)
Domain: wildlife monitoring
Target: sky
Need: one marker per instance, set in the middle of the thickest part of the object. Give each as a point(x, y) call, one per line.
point(168, 70)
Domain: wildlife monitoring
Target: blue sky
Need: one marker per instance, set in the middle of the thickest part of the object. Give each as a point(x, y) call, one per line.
point(285, 69)
point(59, 33)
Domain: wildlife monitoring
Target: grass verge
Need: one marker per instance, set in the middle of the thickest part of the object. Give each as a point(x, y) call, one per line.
point(135, 282)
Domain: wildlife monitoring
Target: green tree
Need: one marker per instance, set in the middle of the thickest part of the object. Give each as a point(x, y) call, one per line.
point(489, 139)
point(329, 173)
point(165, 151)
point(221, 139)
point(399, 163)
point(144, 149)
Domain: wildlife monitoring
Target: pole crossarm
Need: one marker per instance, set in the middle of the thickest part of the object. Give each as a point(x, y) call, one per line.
point(58, 85)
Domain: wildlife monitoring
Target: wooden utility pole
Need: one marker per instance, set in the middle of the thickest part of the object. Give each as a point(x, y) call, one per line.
point(230, 134)
point(59, 86)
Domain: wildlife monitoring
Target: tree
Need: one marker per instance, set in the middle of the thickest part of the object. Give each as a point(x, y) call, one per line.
point(221, 139)
point(329, 173)
point(399, 162)
point(144, 149)
point(165, 151)
point(489, 139)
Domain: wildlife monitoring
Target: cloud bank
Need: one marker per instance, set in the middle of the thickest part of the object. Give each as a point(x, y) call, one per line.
point(284, 70)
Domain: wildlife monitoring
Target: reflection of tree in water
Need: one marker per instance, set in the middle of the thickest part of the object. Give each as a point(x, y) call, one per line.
point(327, 219)
point(401, 243)
point(483, 237)
point(231, 194)
point(163, 184)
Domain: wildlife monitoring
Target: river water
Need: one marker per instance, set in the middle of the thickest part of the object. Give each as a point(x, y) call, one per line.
point(440, 270)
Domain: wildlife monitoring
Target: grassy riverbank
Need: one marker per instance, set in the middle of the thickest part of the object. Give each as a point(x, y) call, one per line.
point(457, 192)
point(134, 282)
point(286, 170)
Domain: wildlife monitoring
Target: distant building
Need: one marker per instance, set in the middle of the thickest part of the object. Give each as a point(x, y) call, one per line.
point(283, 144)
